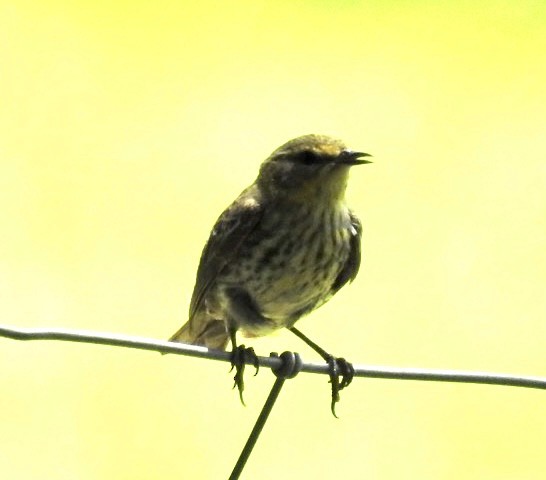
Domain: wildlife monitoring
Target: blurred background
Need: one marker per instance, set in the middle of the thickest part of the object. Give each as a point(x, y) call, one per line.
point(127, 127)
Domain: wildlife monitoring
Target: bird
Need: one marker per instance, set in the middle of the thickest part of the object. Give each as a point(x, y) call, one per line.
point(284, 247)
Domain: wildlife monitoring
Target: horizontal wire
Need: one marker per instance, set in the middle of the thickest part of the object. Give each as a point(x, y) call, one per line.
point(163, 346)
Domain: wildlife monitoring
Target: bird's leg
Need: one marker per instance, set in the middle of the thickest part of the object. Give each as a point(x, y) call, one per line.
point(240, 356)
point(338, 367)
point(242, 311)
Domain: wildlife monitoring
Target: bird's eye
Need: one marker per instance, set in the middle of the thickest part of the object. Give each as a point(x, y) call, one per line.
point(308, 157)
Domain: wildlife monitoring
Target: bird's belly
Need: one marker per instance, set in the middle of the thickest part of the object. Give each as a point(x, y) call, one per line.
point(287, 287)
point(293, 292)
point(286, 296)
point(290, 271)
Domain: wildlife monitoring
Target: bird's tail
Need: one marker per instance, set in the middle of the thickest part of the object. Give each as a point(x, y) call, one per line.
point(202, 330)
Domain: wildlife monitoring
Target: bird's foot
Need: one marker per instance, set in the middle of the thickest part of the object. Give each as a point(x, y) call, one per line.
point(339, 367)
point(240, 356)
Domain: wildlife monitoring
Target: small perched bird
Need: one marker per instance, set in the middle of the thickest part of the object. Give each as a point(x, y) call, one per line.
point(283, 248)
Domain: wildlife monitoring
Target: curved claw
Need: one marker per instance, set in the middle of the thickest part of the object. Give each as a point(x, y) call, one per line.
point(240, 356)
point(339, 367)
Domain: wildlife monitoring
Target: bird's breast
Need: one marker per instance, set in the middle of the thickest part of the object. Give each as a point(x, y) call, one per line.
point(291, 260)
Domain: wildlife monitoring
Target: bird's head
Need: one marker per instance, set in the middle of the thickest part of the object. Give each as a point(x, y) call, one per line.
point(309, 166)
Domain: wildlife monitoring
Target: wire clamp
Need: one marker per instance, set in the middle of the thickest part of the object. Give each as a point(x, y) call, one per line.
point(291, 364)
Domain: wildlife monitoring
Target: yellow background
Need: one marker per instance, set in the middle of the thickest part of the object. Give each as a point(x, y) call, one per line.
point(126, 127)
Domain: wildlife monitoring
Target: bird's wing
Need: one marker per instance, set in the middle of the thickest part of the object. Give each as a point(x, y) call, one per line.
point(229, 232)
point(350, 269)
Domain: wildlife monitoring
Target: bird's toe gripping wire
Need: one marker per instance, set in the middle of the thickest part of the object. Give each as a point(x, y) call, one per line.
point(240, 356)
point(341, 375)
point(341, 372)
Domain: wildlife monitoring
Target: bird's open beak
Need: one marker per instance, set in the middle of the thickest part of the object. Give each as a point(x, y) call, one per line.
point(348, 157)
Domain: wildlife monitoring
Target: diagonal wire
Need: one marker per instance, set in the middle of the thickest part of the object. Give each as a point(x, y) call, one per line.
point(257, 429)
point(142, 343)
